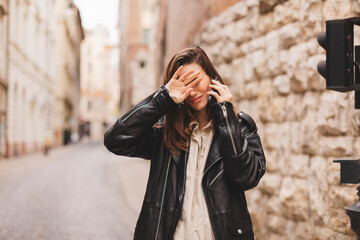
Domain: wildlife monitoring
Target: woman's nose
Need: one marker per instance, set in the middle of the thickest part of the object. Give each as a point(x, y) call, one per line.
point(192, 93)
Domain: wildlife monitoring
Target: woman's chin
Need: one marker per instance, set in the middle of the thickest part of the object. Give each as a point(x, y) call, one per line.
point(198, 107)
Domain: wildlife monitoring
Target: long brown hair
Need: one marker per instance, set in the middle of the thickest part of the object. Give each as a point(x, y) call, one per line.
point(177, 120)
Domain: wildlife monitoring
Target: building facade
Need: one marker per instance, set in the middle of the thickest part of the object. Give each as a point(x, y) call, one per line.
point(69, 34)
point(267, 52)
point(31, 75)
point(4, 13)
point(99, 105)
point(42, 67)
point(138, 23)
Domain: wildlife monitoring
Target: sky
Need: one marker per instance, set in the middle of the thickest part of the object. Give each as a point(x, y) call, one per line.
point(104, 12)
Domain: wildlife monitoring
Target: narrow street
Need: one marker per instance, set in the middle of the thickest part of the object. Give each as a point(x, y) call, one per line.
point(76, 192)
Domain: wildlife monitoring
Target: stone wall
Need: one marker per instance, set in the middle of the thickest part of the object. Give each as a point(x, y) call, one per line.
point(267, 53)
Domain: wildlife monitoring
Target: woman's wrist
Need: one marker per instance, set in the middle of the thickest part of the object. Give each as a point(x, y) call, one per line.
point(174, 98)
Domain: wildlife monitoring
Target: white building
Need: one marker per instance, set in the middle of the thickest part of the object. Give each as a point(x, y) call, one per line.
point(3, 73)
point(43, 73)
point(31, 74)
point(99, 83)
point(69, 34)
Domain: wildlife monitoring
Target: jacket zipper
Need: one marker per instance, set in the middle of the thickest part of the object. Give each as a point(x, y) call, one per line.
point(143, 105)
point(217, 159)
point(228, 127)
point(216, 177)
point(162, 199)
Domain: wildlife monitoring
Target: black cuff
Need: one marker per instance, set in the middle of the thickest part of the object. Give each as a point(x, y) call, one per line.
point(162, 100)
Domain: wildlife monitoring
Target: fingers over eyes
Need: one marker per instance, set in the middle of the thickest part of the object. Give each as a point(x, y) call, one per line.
point(185, 75)
point(191, 77)
point(177, 73)
point(194, 82)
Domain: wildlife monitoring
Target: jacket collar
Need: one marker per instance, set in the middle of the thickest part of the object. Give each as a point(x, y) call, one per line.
point(213, 155)
point(194, 124)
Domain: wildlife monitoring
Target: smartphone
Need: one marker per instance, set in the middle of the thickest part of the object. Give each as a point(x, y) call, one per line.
point(212, 99)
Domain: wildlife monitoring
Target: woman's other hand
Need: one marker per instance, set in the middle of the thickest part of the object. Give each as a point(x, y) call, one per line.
point(223, 94)
point(180, 86)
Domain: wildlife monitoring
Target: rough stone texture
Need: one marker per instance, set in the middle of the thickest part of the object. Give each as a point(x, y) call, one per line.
point(267, 5)
point(267, 53)
point(293, 195)
point(282, 84)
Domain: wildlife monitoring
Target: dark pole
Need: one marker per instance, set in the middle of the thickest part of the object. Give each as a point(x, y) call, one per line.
point(357, 77)
point(342, 73)
point(350, 173)
point(353, 212)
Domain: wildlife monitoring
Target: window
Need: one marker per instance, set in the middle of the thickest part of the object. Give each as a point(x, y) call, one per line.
point(146, 36)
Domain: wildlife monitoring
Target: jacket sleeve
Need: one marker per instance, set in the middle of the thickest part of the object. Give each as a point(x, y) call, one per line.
point(133, 134)
point(240, 144)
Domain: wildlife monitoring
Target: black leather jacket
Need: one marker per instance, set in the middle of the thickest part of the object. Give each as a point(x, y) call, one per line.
point(235, 163)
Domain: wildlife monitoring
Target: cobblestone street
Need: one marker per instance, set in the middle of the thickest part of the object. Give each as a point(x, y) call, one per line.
point(76, 192)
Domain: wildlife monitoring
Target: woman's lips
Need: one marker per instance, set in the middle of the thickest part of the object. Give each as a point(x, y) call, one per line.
point(196, 100)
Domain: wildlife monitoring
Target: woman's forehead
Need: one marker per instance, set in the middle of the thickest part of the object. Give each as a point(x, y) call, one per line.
point(191, 66)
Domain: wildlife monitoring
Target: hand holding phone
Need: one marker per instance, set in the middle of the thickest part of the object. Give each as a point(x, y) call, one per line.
point(220, 92)
point(212, 99)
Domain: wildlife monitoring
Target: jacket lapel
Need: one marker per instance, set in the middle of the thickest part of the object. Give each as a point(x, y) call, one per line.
point(181, 155)
point(214, 152)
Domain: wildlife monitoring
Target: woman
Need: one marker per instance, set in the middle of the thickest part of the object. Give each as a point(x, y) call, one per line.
point(203, 155)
